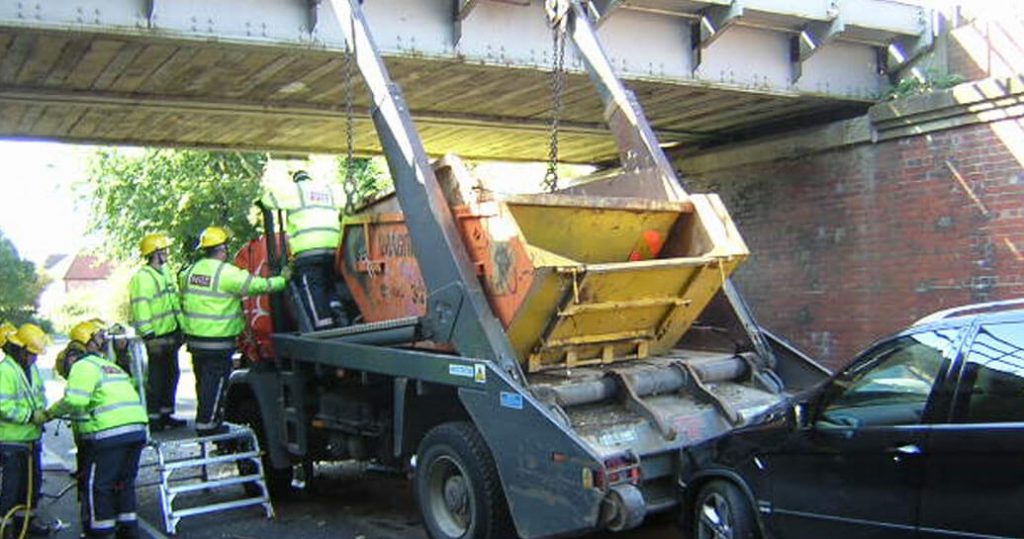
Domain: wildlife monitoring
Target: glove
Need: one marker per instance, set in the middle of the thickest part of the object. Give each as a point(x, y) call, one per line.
point(286, 272)
point(40, 417)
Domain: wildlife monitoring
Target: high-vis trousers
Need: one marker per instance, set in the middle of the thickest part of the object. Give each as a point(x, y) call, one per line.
point(315, 277)
point(162, 378)
point(14, 475)
point(212, 368)
point(107, 482)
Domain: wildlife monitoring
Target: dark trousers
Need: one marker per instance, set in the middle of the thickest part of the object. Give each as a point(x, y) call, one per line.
point(107, 482)
point(14, 476)
point(162, 378)
point(212, 368)
point(315, 279)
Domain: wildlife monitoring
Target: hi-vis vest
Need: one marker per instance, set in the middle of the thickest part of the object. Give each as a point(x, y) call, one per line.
point(210, 292)
point(102, 399)
point(313, 224)
point(154, 298)
point(19, 397)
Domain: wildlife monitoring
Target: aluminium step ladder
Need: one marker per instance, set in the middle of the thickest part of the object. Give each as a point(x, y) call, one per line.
point(210, 465)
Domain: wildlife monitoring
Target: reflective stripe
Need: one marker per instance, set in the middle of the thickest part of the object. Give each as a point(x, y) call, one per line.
point(203, 316)
point(207, 293)
point(216, 277)
point(116, 431)
point(140, 300)
point(127, 517)
point(245, 286)
point(140, 323)
point(207, 426)
point(320, 229)
point(308, 208)
point(78, 392)
point(112, 407)
point(227, 344)
point(18, 396)
point(104, 524)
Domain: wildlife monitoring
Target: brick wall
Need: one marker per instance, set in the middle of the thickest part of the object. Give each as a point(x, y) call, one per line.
point(856, 243)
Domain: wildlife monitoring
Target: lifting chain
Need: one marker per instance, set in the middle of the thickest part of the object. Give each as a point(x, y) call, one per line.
point(557, 15)
point(349, 186)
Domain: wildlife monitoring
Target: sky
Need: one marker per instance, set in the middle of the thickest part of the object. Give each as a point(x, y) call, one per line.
point(38, 210)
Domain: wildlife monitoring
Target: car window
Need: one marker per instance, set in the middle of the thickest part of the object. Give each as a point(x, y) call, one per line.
point(890, 385)
point(992, 384)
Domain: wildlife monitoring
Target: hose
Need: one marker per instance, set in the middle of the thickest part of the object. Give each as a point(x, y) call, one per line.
point(27, 506)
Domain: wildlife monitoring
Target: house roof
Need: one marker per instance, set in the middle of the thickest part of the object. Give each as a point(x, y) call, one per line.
point(88, 268)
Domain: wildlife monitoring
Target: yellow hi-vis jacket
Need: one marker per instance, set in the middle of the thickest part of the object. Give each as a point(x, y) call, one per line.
point(102, 400)
point(19, 397)
point(313, 215)
point(154, 302)
point(210, 293)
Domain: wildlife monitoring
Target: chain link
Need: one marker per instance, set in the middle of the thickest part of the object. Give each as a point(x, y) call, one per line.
point(558, 80)
point(349, 186)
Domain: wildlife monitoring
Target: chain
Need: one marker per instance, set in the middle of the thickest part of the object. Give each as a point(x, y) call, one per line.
point(558, 93)
point(349, 186)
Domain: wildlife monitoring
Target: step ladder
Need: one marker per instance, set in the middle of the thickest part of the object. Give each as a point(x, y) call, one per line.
point(220, 463)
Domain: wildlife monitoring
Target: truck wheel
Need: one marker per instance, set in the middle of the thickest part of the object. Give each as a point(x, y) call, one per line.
point(457, 486)
point(723, 512)
point(279, 480)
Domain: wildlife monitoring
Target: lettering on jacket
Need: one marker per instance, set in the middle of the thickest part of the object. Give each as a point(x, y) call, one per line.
point(199, 280)
point(320, 196)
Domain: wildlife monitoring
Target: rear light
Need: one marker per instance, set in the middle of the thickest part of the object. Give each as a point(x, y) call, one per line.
point(617, 470)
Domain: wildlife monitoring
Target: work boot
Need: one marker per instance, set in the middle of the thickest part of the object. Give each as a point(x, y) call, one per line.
point(173, 422)
point(36, 528)
point(157, 425)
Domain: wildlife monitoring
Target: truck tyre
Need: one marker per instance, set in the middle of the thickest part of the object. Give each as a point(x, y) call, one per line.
point(457, 486)
point(279, 480)
point(722, 511)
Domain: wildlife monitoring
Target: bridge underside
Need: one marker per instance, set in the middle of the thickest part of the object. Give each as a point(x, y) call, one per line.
point(79, 77)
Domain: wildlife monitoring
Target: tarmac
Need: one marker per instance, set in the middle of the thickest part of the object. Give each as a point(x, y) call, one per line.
point(341, 501)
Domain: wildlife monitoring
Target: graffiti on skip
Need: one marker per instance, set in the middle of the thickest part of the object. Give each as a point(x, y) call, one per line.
point(395, 245)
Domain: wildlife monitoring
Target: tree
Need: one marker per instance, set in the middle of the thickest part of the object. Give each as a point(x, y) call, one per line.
point(371, 180)
point(179, 192)
point(21, 285)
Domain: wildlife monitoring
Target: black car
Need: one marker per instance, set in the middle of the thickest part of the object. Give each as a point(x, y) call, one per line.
point(922, 436)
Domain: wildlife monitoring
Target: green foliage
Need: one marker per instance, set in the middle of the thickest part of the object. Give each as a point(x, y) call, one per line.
point(933, 81)
point(21, 285)
point(179, 192)
point(371, 178)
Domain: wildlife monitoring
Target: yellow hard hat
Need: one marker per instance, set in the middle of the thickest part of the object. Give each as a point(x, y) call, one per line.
point(30, 337)
point(212, 237)
point(6, 329)
point(153, 242)
point(83, 331)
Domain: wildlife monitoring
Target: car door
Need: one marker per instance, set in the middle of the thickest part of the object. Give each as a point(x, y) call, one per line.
point(855, 472)
point(975, 462)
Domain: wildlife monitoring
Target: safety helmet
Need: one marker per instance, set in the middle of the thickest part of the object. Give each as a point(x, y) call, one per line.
point(153, 242)
point(213, 236)
point(6, 329)
point(83, 332)
point(30, 337)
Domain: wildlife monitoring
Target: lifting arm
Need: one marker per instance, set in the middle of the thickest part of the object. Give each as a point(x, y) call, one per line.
point(457, 310)
point(647, 172)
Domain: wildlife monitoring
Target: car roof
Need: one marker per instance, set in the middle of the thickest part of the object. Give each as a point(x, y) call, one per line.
point(994, 311)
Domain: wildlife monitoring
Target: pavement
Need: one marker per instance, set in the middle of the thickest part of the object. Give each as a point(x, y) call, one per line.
point(342, 501)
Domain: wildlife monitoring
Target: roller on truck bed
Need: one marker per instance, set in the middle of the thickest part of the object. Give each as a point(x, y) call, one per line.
point(537, 361)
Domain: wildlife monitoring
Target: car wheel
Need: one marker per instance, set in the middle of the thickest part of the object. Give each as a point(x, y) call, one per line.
point(723, 512)
point(457, 486)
